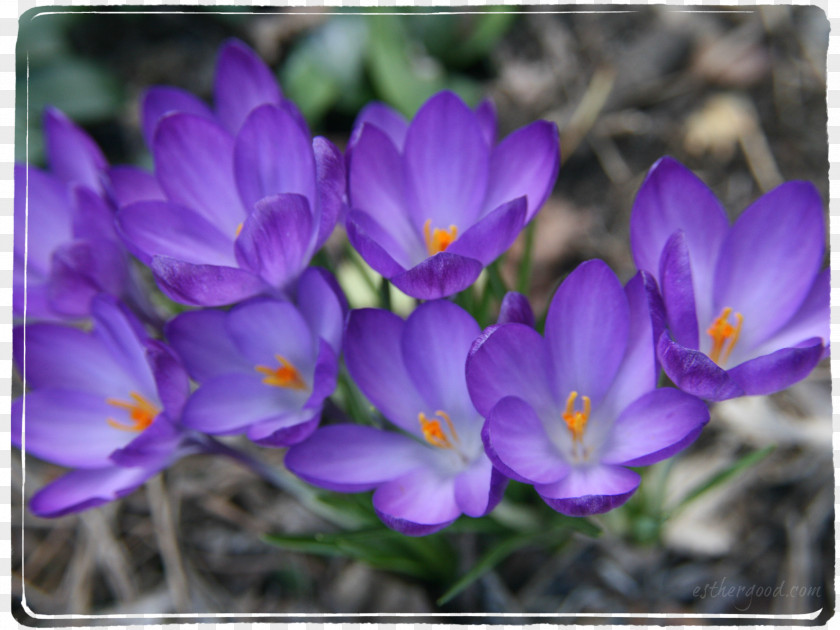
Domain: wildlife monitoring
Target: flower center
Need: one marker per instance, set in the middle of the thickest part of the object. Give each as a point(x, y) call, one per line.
point(438, 240)
point(285, 375)
point(576, 420)
point(434, 432)
point(140, 411)
point(724, 335)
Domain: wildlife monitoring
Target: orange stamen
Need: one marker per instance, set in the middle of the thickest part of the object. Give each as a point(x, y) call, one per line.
point(238, 230)
point(286, 375)
point(141, 411)
point(724, 335)
point(434, 433)
point(439, 239)
point(576, 420)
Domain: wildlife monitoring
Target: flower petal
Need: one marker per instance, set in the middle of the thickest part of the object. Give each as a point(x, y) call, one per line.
point(770, 259)
point(72, 154)
point(159, 101)
point(377, 247)
point(275, 238)
point(129, 184)
point(590, 490)
point(243, 82)
point(515, 308)
point(47, 202)
point(83, 269)
point(587, 330)
point(372, 351)
point(158, 445)
point(513, 360)
point(201, 340)
point(171, 380)
point(695, 373)
point(486, 115)
point(272, 155)
point(332, 187)
point(656, 426)
point(419, 502)
point(678, 291)
point(93, 217)
point(285, 430)
point(438, 276)
point(493, 234)
point(479, 488)
point(322, 304)
point(779, 370)
point(83, 489)
point(353, 458)
point(516, 442)
point(673, 198)
point(204, 285)
point(265, 328)
point(446, 164)
point(194, 166)
point(387, 120)
point(525, 163)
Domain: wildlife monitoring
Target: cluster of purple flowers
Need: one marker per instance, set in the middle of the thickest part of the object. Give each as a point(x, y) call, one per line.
point(240, 200)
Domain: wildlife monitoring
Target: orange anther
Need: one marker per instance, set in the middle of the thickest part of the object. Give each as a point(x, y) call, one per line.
point(724, 335)
point(576, 420)
point(141, 411)
point(439, 239)
point(434, 433)
point(285, 375)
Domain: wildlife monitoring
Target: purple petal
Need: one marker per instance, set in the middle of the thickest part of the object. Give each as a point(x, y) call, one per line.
point(435, 342)
point(158, 445)
point(171, 380)
point(438, 276)
point(774, 372)
point(49, 224)
point(673, 198)
point(656, 426)
point(479, 488)
point(485, 113)
point(678, 290)
point(516, 309)
point(332, 187)
point(265, 328)
point(83, 269)
point(204, 285)
point(70, 428)
point(446, 164)
point(770, 258)
point(72, 155)
point(695, 373)
point(243, 82)
point(377, 247)
point(83, 489)
point(129, 185)
point(513, 361)
point(590, 490)
point(325, 376)
point(525, 163)
point(516, 441)
point(286, 430)
point(272, 155)
point(201, 340)
point(162, 100)
point(275, 238)
point(417, 503)
point(493, 234)
point(352, 458)
point(160, 228)
point(387, 120)
point(232, 402)
point(587, 330)
point(321, 304)
point(376, 188)
point(194, 165)
point(93, 217)
point(372, 351)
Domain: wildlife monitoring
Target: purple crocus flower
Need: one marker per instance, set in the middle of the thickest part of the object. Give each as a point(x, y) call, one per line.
point(105, 403)
point(435, 201)
point(746, 306)
point(265, 367)
point(66, 250)
point(435, 469)
point(242, 198)
point(569, 412)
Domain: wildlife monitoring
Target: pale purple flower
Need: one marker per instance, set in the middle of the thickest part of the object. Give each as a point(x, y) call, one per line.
point(265, 367)
point(241, 198)
point(569, 412)
point(105, 403)
point(434, 469)
point(435, 201)
point(746, 306)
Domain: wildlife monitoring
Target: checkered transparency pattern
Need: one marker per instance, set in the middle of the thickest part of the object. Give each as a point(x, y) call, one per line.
point(9, 15)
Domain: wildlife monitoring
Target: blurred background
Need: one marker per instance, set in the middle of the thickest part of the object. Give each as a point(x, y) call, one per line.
point(738, 97)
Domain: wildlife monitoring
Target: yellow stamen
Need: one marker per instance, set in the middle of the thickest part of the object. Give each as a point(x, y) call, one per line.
point(238, 230)
point(724, 335)
point(439, 239)
point(286, 375)
point(576, 420)
point(434, 433)
point(141, 411)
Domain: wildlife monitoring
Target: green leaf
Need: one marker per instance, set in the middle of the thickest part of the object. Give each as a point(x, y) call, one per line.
point(82, 89)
